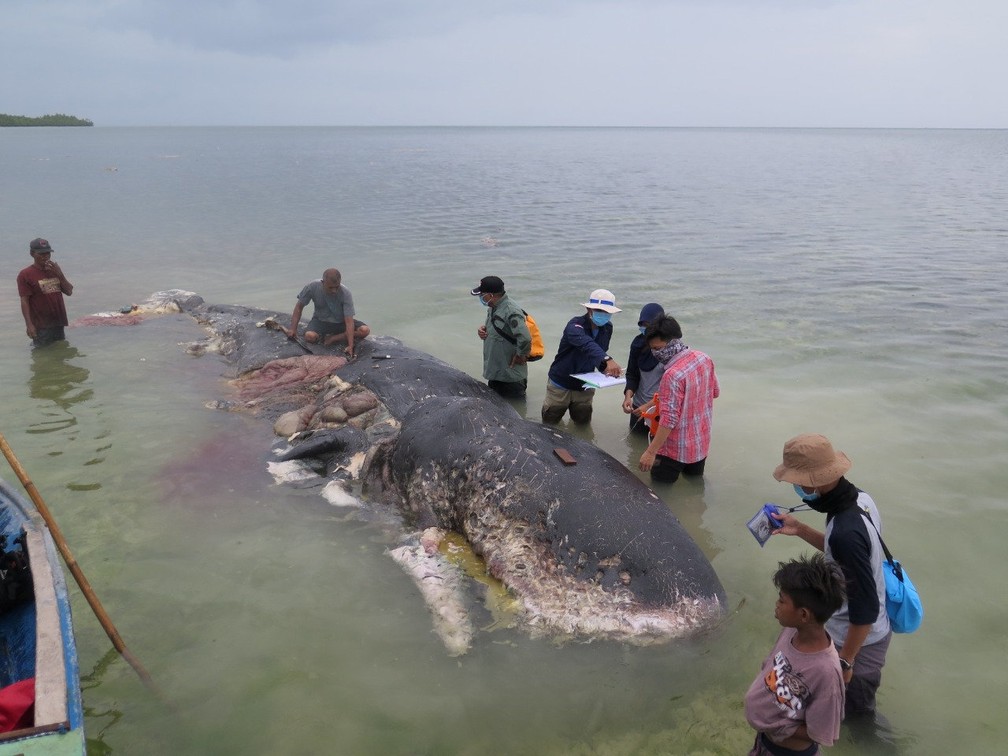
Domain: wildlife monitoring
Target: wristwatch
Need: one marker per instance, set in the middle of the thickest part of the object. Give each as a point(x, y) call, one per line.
point(846, 665)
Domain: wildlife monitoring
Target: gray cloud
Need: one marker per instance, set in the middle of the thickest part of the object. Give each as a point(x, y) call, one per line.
point(925, 63)
point(271, 28)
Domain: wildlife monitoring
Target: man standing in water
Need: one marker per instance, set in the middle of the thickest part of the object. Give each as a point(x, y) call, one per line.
point(41, 287)
point(333, 318)
point(506, 340)
point(860, 628)
point(644, 372)
point(583, 348)
point(686, 395)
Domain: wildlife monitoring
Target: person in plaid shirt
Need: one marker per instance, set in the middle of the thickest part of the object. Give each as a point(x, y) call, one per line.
point(685, 402)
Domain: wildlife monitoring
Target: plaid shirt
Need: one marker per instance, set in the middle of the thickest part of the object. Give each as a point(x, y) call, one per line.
point(686, 402)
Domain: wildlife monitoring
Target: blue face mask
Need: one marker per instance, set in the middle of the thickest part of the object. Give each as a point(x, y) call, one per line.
point(484, 302)
point(600, 318)
point(803, 495)
point(642, 329)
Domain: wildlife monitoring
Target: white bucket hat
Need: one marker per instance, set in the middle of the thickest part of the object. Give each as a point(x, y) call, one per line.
point(602, 299)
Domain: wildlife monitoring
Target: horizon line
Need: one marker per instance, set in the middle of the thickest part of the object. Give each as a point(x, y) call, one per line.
point(525, 126)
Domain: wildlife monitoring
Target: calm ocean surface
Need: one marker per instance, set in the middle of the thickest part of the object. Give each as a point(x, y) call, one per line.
point(849, 282)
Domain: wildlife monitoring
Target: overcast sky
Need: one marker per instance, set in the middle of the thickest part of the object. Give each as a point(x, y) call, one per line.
point(873, 63)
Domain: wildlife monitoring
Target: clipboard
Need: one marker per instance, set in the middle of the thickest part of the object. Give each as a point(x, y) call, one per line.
point(597, 380)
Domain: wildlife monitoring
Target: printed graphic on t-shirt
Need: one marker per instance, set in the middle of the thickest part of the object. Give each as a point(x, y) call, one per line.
point(49, 285)
point(789, 689)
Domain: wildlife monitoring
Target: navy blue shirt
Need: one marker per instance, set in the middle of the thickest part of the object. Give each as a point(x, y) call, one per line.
point(583, 348)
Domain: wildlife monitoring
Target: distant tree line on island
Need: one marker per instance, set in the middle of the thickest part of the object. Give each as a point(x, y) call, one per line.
point(55, 119)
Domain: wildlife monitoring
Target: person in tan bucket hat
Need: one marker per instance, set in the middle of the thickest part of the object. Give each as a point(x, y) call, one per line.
point(809, 460)
point(860, 628)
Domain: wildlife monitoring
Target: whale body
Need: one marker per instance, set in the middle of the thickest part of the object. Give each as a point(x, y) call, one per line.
point(588, 551)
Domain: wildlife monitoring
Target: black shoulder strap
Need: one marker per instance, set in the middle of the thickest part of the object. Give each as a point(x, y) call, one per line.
point(493, 322)
point(888, 555)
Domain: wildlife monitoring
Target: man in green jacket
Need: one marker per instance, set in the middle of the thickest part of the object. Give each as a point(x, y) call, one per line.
point(506, 340)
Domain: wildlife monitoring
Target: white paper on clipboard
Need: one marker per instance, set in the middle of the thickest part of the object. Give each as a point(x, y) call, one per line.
point(598, 380)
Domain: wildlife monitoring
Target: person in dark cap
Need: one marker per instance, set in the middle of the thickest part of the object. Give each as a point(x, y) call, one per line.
point(860, 628)
point(643, 371)
point(41, 287)
point(333, 318)
point(506, 339)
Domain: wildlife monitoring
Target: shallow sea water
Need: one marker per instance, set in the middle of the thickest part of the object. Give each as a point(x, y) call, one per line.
point(847, 282)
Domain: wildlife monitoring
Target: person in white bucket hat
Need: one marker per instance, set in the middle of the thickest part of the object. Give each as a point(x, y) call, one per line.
point(584, 347)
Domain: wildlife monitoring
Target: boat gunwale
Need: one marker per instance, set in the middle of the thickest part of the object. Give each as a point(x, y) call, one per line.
point(28, 732)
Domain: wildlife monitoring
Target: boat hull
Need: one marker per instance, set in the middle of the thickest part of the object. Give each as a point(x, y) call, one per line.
point(38, 641)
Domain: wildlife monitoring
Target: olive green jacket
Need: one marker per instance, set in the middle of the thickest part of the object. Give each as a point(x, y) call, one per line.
point(497, 350)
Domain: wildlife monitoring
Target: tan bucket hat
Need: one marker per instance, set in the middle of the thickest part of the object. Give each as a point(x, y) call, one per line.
point(810, 461)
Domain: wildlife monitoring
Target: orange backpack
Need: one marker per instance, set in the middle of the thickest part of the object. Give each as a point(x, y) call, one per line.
point(538, 349)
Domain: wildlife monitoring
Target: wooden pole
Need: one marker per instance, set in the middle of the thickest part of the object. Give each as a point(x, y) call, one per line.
point(71, 563)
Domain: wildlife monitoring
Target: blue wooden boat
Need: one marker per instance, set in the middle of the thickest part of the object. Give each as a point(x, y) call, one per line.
point(37, 640)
